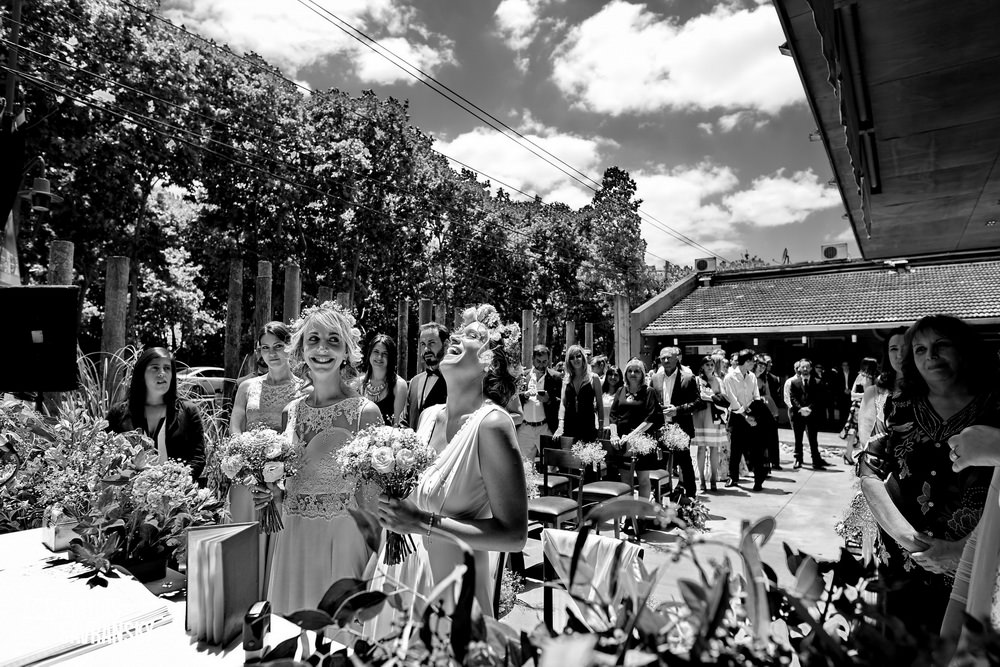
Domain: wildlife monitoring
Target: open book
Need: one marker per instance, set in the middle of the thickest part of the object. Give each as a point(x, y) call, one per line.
point(222, 572)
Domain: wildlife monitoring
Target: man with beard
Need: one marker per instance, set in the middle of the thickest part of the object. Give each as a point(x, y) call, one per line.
point(427, 388)
point(540, 391)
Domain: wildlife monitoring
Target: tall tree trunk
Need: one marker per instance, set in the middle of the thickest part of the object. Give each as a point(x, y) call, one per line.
point(131, 328)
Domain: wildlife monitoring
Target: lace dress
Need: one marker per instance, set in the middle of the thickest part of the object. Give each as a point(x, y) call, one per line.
point(320, 543)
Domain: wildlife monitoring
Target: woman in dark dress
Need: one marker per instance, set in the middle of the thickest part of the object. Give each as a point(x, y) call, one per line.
point(174, 426)
point(925, 509)
point(636, 410)
point(581, 412)
point(380, 384)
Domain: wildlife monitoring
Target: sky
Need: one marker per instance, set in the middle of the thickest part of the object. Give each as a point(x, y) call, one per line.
point(691, 97)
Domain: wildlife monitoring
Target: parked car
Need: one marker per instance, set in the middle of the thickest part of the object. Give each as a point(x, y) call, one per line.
point(206, 381)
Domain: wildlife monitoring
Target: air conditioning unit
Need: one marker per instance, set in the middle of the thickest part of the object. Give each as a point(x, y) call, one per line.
point(705, 264)
point(833, 251)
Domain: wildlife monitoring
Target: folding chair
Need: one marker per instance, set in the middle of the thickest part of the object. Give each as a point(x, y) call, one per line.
point(553, 511)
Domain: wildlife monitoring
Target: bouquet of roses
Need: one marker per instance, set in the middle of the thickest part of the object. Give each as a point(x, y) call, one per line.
point(532, 478)
point(257, 457)
point(589, 453)
point(393, 460)
point(640, 445)
point(675, 439)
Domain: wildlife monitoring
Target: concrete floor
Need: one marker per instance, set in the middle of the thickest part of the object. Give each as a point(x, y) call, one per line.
point(806, 505)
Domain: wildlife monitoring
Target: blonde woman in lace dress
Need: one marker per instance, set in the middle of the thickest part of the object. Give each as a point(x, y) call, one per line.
point(320, 543)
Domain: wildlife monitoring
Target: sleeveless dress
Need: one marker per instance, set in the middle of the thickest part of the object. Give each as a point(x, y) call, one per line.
point(580, 411)
point(453, 486)
point(320, 543)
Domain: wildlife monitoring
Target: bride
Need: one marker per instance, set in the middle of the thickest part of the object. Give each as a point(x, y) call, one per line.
point(472, 434)
point(320, 543)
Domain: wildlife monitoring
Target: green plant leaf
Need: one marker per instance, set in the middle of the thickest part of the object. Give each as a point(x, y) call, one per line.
point(694, 595)
point(284, 650)
point(369, 527)
point(808, 584)
point(364, 605)
point(310, 619)
point(338, 592)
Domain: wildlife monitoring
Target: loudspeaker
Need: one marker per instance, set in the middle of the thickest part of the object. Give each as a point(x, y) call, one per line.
point(38, 338)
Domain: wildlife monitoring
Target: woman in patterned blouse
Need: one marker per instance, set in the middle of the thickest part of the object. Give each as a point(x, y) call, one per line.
point(924, 508)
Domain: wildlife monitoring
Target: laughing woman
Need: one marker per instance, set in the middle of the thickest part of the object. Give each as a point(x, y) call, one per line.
point(153, 408)
point(320, 543)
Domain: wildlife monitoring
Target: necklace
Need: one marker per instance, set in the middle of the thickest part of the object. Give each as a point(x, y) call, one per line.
point(373, 391)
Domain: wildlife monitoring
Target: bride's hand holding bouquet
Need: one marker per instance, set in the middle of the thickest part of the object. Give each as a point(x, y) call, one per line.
point(260, 459)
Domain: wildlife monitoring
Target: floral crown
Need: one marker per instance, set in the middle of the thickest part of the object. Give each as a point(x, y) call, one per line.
point(505, 336)
point(346, 313)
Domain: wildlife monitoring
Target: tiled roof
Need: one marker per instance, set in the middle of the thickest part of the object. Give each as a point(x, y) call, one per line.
point(833, 300)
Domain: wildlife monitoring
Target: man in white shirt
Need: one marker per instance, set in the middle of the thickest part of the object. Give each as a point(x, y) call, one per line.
point(678, 394)
point(539, 394)
point(740, 388)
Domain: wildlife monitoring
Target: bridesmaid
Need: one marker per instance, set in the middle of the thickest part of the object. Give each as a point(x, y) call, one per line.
point(320, 543)
point(260, 401)
point(379, 382)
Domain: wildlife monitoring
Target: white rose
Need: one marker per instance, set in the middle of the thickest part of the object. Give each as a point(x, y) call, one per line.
point(273, 471)
point(232, 465)
point(405, 460)
point(382, 459)
point(273, 449)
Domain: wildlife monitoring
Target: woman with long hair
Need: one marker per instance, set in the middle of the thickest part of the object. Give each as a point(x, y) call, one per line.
point(581, 411)
point(173, 425)
point(320, 542)
point(475, 489)
point(379, 382)
point(636, 409)
point(867, 375)
point(613, 381)
point(260, 400)
point(926, 509)
point(709, 427)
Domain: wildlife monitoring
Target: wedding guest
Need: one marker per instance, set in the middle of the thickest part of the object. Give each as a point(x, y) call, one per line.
point(379, 382)
point(709, 427)
point(613, 381)
point(740, 388)
point(865, 379)
point(805, 395)
point(539, 403)
point(320, 542)
point(473, 435)
point(599, 367)
point(765, 412)
point(260, 401)
point(925, 508)
point(635, 410)
point(427, 388)
point(153, 408)
point(581, 399)
point(678, 394)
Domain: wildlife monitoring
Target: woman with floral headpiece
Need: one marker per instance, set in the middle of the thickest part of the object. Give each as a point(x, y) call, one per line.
point(475, 489)
point(320, 542)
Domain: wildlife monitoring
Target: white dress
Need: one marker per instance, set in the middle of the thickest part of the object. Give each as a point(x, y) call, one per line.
point(320, 543)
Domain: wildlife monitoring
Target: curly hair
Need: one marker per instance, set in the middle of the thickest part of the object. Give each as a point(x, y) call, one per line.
point(331, 317)
point(967, 342)
point(502, 372)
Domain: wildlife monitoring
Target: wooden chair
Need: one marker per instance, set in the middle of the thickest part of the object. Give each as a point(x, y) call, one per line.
point(553, 511)
point(619, 459)
point(553, 485)
point(601, 491)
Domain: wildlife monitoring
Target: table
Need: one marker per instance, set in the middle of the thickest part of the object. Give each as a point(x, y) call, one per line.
point(167, 644)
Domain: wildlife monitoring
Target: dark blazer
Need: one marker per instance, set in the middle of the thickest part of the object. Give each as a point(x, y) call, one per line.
point(803, 397)
point(185, 436)
point(685, 397)
point(438, 394)
point(552, 384)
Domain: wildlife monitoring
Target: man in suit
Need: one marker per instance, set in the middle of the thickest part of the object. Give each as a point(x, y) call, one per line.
point(427, 388)
point(539, 392)
point(741, 389)
point(805, 415)
point(678, 393)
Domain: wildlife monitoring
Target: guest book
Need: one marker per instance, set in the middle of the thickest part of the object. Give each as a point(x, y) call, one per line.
point(222, 572)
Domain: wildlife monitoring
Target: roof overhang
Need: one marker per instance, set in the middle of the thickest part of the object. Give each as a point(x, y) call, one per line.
point(803, 329)
point(907, 101)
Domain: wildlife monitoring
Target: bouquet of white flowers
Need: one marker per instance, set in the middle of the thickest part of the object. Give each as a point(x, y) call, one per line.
point(532, 478)
point(640, 445)
point(675, 439)
point(589, 453)
point(257, 457)
point(392, 459)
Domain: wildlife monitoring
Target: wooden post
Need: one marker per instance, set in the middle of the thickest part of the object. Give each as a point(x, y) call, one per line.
point(570, 332)
point(292, 306)
point(588, 337)
point(623, 321)
point(527, 336)
point(542, 333)
point(344, 300)
point(423, 317)
point(61, 263)
point(403, 338)
point(115, 305)
point(262, 298)
point(458, 316)
point(324, 294)
point(441, 314)
point(234, 325)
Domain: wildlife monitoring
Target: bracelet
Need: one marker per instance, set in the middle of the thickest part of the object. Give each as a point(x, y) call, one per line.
point(432, 523)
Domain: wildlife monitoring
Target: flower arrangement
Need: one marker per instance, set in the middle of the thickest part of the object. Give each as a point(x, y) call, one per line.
point(640, 445)
point(257, 457)
point(532, 478)
point(589, 453)
point(674, 438)
point(392, 459)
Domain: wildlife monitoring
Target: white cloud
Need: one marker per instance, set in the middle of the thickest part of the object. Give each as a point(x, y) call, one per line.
point(706, 128)
point(293, 37)
point(725, 59)
point(519, 23)
point(779, 200)
point(732, 121)
point(503, 159)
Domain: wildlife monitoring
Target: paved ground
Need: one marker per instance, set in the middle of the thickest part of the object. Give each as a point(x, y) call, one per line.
point(806, 505)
